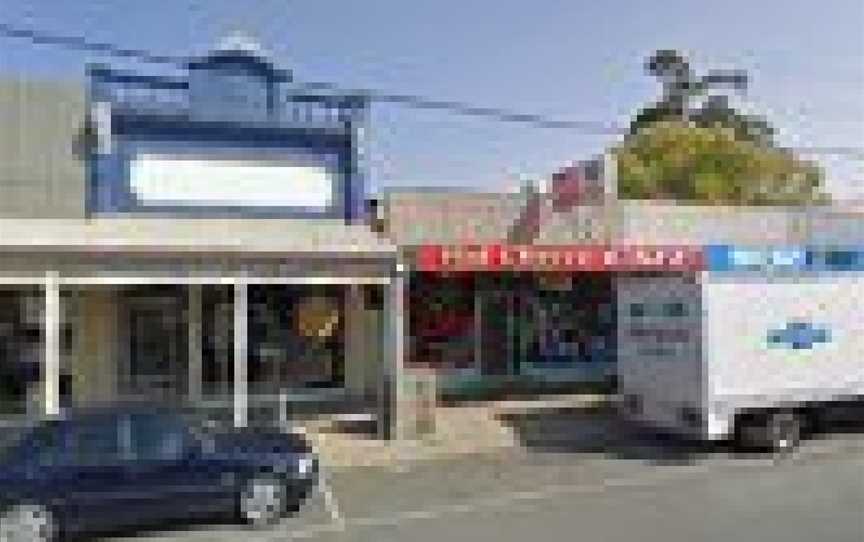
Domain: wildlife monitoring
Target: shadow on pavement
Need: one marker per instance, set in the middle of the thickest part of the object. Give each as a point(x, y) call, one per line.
point(598, 431)
point(601, 431)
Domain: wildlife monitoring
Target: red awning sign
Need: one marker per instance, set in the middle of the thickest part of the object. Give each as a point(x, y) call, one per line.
point(557, 258)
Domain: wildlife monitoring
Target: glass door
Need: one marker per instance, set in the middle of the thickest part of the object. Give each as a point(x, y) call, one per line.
point(157, 354)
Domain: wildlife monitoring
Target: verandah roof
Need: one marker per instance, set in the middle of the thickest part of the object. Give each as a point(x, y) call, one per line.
point(192, 236)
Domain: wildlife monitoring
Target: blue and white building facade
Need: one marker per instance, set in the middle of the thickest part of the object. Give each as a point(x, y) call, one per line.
point(223, 140)
point(220, 259)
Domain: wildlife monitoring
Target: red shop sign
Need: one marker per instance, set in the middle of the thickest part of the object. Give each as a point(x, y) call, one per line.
point(557, 258)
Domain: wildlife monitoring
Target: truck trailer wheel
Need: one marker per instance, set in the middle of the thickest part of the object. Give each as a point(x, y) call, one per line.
point(776, 431)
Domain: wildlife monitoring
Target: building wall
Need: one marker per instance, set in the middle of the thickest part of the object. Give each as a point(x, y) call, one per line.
point(40, 174)
point(419, 217)
point(662, 223)
point(94, 370)
point(441, 217)
point(839, 224)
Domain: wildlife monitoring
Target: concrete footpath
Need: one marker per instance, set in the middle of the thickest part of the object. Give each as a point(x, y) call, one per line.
point(466, 429)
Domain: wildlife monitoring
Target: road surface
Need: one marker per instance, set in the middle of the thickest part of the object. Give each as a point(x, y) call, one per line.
point(633, 488)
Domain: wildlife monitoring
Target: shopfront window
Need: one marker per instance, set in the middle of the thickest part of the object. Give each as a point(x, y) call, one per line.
point(19, 349)
point(22, 347)
point(566, 322)
point(295, 338)
point(442, 323)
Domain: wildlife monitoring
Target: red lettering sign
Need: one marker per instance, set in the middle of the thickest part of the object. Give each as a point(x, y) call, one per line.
point(558, 258)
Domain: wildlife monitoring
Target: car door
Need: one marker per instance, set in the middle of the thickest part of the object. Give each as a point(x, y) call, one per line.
point(92, 470)
point(168, 466)
point(40, 462)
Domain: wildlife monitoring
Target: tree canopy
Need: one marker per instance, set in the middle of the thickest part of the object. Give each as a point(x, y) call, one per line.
point(711, 153)
point(712, 165)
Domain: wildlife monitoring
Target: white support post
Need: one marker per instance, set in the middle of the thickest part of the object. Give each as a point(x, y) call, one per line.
point(241, 398)
point(51, 370)
point(393, 385)
point(194, 342)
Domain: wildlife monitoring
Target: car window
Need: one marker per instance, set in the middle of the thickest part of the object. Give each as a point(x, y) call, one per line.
point(42, 443)
point(158, 438)
point(47, 443)
point(95, 442)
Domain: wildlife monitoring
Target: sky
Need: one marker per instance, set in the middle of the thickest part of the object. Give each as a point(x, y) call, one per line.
point(559, 58)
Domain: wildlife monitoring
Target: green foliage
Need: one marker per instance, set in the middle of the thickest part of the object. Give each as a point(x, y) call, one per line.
point(670, 159)
point(715, 112)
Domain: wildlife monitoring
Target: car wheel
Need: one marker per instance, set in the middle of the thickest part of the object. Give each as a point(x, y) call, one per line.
point(27, 523)
point(784, 431)
point(262, 501)
point(778, 432)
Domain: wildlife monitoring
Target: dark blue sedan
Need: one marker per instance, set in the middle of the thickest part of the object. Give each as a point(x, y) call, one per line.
point(110, 470)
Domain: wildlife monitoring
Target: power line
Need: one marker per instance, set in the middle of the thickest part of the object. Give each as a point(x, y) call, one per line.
point(80, 43)
point(465, 109)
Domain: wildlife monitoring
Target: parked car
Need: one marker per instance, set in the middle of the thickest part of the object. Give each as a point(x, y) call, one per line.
point(92, 472)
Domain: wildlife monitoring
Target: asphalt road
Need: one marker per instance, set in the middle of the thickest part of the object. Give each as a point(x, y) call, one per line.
point(630, 486)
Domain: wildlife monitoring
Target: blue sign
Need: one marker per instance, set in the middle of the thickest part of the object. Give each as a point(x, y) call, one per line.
point(734, 258)
point(799, 335)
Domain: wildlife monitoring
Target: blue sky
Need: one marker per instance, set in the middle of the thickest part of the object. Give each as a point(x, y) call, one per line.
point(564, 59)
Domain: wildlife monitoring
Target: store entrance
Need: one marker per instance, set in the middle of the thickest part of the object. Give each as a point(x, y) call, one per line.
point(157, 342)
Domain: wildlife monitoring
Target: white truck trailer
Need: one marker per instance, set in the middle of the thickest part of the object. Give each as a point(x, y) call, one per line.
point(750, 354)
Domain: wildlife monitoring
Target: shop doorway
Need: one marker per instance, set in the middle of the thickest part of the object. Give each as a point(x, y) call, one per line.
point(157, 343)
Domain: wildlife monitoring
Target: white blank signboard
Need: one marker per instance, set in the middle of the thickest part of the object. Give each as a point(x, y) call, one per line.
point(170, 180)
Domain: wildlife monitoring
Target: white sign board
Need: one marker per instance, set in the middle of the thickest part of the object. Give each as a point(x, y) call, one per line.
point(159, 180)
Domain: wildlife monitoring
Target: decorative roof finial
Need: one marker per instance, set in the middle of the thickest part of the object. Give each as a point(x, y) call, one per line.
point(242, 42)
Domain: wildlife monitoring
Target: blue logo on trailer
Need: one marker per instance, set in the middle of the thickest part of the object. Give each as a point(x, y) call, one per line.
point(799, 336)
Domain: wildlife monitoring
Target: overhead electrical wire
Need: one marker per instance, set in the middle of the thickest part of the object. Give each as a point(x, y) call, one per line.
point(82, 44)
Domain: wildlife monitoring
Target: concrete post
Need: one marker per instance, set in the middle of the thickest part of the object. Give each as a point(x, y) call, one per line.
point(392, 420)
point(241, 397)
point(194, 343)
point(51, 370)
point(356, 353)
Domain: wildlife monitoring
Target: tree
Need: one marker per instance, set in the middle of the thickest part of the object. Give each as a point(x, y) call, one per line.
point(675, 160)
point(681, 87)
point(711, 153)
